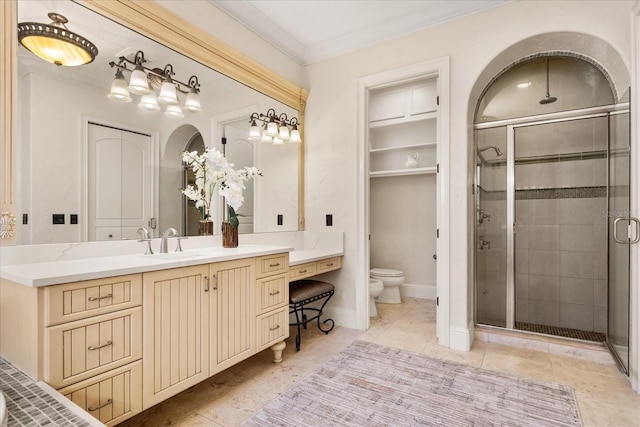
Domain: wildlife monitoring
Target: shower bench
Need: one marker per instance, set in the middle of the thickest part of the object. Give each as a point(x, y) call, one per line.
point(306, 291)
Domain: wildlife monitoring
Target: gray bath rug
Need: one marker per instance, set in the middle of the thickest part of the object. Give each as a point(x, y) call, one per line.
point(372, 385)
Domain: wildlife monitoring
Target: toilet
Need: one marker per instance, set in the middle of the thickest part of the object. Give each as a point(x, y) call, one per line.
point(391, 281)
point(375, 289)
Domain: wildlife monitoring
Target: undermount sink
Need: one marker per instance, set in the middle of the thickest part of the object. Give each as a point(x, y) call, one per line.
point(177, 255)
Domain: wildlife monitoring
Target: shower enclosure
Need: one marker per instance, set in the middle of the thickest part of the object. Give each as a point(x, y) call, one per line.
point(553, 225)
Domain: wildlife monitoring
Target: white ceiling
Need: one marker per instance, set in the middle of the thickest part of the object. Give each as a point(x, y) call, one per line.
point(313, 30)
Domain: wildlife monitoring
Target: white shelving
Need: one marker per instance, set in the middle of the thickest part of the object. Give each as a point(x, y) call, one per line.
point(403, 126)
point(403, 147)
point(403, 172)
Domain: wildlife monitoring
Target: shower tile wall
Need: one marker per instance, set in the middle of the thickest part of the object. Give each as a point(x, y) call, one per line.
point(561, 244)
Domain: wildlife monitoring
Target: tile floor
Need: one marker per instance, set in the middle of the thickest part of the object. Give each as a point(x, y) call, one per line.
point(604, 395)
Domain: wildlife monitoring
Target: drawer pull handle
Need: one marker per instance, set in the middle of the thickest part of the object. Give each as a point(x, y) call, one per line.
point(330, 265)
point(302, 271)
point(275, 328)
point(95, 408)
point(107, 344)
point(274, 293)
point(206, 283)
point(277, 264)
point(99, 298)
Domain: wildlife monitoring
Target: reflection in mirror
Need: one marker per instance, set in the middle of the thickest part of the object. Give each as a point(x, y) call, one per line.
point(57, 147)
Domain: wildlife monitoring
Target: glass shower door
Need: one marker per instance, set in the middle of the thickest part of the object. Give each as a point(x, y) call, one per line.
point(622, 233)
point(491, 233)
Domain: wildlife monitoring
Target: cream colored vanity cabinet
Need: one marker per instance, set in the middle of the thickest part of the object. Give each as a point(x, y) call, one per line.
point(272, 302)
point(232, 313)
point(176, 331)
point(309, 269)
point(82, 338)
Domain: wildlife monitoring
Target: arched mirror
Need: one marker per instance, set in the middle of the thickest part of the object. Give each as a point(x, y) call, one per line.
point(89, 168)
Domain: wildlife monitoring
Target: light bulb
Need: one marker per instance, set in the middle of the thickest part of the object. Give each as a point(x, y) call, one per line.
point(266, 138)
point(119, 91)
point(284, 133)
point(174, 111)
point(254, 132)
point(295, 135)
point(168, 93)
point(192, 103)
point(272, 128)
point(138, 82)
point(149, 102)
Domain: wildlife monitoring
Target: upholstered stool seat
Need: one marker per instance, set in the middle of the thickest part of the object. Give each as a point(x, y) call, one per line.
point(303, 292)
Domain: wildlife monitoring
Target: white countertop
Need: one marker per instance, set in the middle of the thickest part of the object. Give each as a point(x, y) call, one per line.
point(64, 271)
point(300, 257)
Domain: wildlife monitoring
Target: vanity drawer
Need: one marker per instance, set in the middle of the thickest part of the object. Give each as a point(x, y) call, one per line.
point(111, 397)
point(78, 350)
point(301, 271)
point(272, 292)
point(272, 264)
point(74, 301)
point(272, 328)
point(329, 264)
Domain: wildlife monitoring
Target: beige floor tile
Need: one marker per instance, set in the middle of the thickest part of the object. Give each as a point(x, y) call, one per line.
point(228, 398)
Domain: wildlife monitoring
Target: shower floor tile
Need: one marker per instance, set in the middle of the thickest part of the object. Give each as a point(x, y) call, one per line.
point(561, 332)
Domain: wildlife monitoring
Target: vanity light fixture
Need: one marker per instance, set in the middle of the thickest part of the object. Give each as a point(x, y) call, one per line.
point(55, 43)
point(144, 81)
point(119, 91)
point(276, 129)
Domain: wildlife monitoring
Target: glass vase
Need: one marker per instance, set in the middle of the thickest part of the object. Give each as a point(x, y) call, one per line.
point(205, 227)
point(229, 235)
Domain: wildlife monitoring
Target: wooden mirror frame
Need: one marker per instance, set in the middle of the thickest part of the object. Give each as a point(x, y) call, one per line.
point(151, 20)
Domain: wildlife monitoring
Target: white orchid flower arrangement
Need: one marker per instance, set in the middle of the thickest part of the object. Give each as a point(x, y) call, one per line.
point(211, 168)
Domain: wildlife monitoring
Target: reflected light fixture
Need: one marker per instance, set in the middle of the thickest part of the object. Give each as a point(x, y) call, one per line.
point(119, 91)
point(55, 43)
point(144, 81)
point(276, 129)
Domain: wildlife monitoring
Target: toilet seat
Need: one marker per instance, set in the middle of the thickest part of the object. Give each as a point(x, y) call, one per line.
point(385, 272)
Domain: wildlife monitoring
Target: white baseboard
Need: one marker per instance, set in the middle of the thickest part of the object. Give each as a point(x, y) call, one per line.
point(418, 291)
point(461, 338)
point(341, 316)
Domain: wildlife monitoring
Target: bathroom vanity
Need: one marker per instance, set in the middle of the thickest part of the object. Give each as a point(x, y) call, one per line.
point(174, 323)
point(119, 334)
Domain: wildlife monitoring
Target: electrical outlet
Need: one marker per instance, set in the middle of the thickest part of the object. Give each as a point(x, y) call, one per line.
point(73, 218)
point(58, 219)
point(329, 220)
point(280, 219)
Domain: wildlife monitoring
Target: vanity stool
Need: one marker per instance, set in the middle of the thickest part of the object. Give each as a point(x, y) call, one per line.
point(303, 292)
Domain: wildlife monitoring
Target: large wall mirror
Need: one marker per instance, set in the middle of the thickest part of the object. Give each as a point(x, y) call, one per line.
point(109, 167)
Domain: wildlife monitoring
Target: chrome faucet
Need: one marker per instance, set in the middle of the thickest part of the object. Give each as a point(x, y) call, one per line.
point(169, 232)
point(144, 233)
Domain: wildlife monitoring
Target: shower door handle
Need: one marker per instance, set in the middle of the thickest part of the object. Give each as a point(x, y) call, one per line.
point(636, 239)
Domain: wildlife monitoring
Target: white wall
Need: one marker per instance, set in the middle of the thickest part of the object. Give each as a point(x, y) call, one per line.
point(471, 43)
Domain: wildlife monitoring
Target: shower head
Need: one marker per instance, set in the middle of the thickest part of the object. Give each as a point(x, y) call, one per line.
point(548, 99)
point(491, 147)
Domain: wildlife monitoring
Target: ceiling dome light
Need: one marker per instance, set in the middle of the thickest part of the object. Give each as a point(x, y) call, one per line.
point(55, 43)
point(119, 91)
